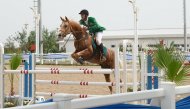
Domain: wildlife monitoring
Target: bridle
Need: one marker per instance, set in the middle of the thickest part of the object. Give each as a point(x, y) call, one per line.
point(74, 33)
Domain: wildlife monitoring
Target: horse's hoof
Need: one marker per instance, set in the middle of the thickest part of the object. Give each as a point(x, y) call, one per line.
point(80, 60)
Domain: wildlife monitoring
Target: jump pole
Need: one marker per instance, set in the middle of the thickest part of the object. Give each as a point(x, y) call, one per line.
point(143, 70)
point(2, 76)
point(33, 84)
point(124, 65)
point(116, 70)
point(134, 63)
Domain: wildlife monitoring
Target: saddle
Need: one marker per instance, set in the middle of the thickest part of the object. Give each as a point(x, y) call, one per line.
point(96, 49)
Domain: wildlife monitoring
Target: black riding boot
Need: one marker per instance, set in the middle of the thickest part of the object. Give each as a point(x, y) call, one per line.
point(102, 57)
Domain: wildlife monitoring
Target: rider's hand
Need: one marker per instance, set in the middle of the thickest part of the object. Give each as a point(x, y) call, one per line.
point(85, 28)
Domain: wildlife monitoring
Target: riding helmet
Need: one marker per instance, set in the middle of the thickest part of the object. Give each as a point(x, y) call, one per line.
point(84, 11)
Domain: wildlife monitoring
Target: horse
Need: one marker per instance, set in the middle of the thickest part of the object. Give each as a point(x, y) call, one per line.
point(83, 43)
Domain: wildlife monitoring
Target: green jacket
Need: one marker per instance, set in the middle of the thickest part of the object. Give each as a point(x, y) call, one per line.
point(92, 25)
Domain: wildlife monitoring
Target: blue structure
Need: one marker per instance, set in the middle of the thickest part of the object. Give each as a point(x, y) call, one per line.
point(126, 106)
point(181, 104)
point(28, 78)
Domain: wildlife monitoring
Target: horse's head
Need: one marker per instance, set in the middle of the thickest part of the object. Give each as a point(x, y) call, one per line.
point(65, 28)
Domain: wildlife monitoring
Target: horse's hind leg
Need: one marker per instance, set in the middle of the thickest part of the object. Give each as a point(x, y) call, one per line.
point(107, 77)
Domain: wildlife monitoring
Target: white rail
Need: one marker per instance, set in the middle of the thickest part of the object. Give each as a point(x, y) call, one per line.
point(73, 95)
point(166, 94)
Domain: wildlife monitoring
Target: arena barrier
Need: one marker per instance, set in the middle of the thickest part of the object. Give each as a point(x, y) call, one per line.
point(163, 98)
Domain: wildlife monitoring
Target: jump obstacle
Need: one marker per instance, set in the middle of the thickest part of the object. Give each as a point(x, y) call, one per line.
point(29, 91)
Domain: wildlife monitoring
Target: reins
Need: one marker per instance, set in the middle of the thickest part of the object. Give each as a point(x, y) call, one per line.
point(67, 41)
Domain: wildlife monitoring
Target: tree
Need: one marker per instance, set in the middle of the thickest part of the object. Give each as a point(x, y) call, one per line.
point(10, 46)
point(31, 39)
point(49, 42)
point(21, 38)
point(25, 42)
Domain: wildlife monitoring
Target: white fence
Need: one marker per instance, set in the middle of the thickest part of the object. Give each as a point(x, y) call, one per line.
point(163, 97)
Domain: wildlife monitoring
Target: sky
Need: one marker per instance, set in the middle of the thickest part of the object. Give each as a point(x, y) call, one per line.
point(112, 14)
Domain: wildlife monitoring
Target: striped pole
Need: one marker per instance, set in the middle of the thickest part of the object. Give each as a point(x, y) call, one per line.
point(152, 80)
point(73, 95)
point(82, 83)
point(95, 71)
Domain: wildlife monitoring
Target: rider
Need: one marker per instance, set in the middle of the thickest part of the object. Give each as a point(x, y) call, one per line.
point(90, 23)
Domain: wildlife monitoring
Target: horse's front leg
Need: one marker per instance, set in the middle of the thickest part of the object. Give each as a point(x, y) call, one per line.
point(81, 55)
point(74, 56)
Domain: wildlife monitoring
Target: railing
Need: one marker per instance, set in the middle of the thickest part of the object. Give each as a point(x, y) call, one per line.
point(165, 95)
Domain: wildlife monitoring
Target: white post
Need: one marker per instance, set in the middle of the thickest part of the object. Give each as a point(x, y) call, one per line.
point(168, 102)
point(37, 19)
point(41, 56)
point(33, 77)
point(63, 101)
point(2, 75)
point(143, 73)
point(21, 88)
point(145, 70)
point(116, 71)
point(135, 48)
point(124, 66)
point(143, 84)
point(134, 55)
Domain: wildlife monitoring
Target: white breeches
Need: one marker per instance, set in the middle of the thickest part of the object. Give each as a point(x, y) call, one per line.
point(98, 37)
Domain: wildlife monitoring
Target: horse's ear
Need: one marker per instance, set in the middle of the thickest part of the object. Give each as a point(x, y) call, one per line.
point(66, 19)
point(62, 19)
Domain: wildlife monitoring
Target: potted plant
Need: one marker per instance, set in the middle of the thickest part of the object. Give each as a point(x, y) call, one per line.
point(14, 64)
point(171, 61)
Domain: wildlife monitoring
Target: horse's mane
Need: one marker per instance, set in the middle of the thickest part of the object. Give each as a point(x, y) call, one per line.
point(77, 27)
point(76, 24)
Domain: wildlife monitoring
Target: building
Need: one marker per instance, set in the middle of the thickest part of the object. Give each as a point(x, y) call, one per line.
point(147, 38)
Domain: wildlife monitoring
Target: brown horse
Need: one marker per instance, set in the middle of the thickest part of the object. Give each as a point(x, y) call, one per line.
point(83, 45)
